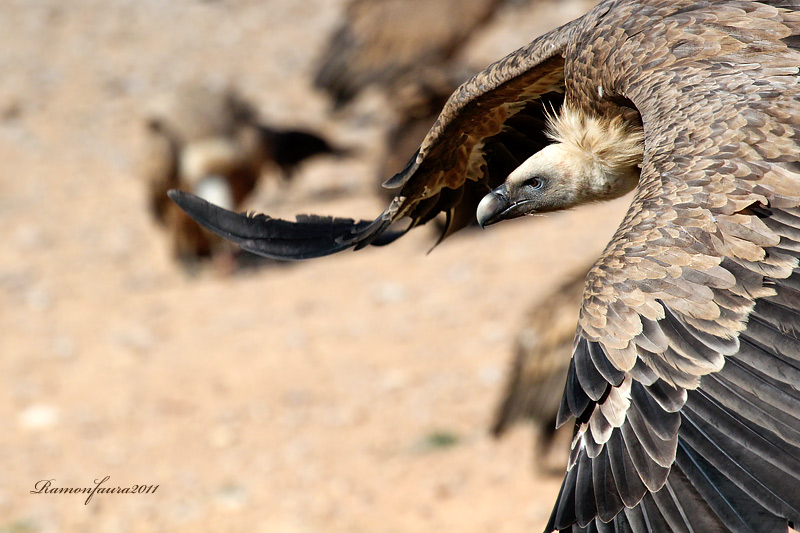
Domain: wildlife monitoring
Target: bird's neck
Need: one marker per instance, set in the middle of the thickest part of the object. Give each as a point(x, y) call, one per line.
point(606, 153)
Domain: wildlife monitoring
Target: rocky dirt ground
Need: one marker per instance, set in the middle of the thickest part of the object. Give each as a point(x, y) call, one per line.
point(349, 394)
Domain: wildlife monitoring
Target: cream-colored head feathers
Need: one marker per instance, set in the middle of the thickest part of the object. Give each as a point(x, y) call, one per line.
point(612, 143)
point(592, 159)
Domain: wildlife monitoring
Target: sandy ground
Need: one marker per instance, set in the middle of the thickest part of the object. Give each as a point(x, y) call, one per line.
point(350, 394)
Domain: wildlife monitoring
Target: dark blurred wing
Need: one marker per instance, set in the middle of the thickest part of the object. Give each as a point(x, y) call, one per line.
point(544, 349)
point(490, 125)
point(384, 42)
point(685, 376)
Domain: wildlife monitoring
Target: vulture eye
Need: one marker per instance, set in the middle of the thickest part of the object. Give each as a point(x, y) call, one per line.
point(533, 183)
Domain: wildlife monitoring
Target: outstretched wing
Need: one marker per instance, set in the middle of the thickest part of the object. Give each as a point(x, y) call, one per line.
point(490, 125)
point(686, 373)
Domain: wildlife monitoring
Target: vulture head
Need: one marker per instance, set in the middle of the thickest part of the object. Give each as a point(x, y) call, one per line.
point(590, 159)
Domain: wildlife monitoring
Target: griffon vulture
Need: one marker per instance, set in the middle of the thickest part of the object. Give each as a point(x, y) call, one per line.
point(684, 380)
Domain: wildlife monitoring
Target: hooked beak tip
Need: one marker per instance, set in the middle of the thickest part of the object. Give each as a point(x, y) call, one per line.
point(491, 206)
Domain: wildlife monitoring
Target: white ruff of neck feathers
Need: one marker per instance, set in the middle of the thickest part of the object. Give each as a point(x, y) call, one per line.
point(609, 149)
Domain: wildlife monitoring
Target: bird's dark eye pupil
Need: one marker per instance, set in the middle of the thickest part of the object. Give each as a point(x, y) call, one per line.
point(533, 183)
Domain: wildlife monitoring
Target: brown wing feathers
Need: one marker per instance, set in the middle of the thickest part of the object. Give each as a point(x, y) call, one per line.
point(700, 245)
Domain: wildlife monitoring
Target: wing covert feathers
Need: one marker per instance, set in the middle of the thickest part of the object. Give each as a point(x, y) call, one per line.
point(694, 303)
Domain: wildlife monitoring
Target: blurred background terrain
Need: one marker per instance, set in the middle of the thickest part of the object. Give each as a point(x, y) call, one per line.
point(349, 394)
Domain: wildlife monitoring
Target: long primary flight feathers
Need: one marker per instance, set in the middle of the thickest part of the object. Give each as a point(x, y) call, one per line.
point(686, 368)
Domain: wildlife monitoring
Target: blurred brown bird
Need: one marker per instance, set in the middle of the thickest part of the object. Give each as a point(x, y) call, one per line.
point(538, 371)
point(406, 49)
point(210, 142)
point(395, 44)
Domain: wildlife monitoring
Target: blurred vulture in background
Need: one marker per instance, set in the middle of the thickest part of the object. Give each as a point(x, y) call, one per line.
point(211, 143)
point(398, 44)
point(538, 371)
point(683, 387)
point(408, 50)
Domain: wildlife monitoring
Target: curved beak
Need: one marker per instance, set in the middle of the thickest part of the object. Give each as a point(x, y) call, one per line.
point(498, 205)
point(492, 206)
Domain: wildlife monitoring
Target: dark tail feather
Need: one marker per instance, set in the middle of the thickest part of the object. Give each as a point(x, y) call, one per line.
point(310, 236)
